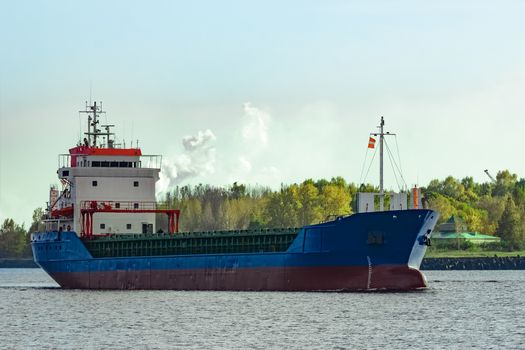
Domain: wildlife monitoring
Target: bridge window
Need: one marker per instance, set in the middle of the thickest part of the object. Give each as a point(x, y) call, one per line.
point(65, 173)
point(135, 205)
point(102, 226)
point(117, 205)
point(135, 184)
point(114, 164)
point(94, 183)
point(95, 164)
point(128, 226)
point(104, 164)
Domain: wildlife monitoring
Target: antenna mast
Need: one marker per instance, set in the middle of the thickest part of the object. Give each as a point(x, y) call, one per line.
point(93, 112)
point(381, 176)
point(381, 189)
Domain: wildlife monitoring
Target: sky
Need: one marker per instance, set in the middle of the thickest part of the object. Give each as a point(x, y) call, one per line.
point(265, 92)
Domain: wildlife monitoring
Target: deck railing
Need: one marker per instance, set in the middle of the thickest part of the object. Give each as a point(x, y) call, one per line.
point(149, 161)
point(99, 205)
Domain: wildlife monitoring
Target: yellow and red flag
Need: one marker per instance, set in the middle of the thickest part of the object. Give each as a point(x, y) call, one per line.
point(371, 142)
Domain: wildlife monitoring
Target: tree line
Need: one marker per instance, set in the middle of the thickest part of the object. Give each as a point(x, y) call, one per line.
point(210, 208)
point(15, 239)
point(493, 208)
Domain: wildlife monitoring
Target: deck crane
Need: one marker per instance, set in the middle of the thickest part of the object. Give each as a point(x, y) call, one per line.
point(491, 177)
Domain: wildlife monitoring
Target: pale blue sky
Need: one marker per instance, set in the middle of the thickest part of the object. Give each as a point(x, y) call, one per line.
point(449, 77)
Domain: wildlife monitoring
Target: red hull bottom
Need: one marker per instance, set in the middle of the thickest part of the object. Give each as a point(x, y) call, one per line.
point(388, 277)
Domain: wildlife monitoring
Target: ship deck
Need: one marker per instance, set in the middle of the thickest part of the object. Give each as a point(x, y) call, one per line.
point(186, 243)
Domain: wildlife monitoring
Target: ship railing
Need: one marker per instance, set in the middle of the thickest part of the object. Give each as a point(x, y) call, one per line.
point(146, 161)
point(90, 207)
point(64, 161)
point(101, 205)
point(151, 161)
point(55, 224)
point(333, 217)
point(368, 202)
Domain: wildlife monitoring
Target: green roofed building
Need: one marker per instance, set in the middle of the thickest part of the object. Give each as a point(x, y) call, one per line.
point(455, 228)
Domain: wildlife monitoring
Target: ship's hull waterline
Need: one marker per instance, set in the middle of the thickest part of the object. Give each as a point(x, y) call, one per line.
point(332, 278)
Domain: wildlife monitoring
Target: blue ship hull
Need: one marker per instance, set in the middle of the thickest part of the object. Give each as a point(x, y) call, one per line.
point(381, 250)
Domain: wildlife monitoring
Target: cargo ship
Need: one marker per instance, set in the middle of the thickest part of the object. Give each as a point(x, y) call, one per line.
point(101, 233)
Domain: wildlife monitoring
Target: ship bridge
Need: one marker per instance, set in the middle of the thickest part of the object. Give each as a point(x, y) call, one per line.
point(98, 169)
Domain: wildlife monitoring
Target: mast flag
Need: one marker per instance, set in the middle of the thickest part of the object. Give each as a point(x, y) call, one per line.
point(371, 142)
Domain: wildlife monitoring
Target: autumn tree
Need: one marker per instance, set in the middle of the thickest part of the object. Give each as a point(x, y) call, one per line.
point(335, 200)
point(308, 211)
point(238, 206)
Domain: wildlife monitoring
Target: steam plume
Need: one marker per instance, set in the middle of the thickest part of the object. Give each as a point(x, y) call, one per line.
point(198, 159)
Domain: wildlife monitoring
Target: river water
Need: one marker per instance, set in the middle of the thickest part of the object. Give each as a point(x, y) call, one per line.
point(461, 309)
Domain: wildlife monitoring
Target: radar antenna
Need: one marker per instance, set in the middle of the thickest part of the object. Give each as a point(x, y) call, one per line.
point(93, 132)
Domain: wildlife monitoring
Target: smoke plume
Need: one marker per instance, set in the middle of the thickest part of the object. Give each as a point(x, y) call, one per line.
point(255, 129)
point(255, 137)
point(198, 159)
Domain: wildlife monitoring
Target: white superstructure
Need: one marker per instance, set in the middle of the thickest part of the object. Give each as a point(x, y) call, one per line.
point(117, 185)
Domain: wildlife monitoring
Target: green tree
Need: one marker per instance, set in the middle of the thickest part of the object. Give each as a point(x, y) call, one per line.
point(519, 193)
point(309, 211)
point(453, 188)
point(283, 207)
point(38, 221)
point(191, 215)
point(475, 218)
point(509, 226)
point(505, 182)
point(13, 241)
point(442, 205)
point(494, 207)
point(258, 217)
point(237, 191)
point(472, 189)
point(335, 200)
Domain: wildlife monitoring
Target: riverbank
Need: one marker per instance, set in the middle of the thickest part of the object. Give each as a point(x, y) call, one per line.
point(17, 263)
point(474, 263)
point(431, 253)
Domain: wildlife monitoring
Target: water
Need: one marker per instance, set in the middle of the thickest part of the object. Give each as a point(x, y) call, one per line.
point(462, 309)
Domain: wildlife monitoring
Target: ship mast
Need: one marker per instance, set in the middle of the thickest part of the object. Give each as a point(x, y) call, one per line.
point(381, 135)
point(381, 189)
point(93, 112)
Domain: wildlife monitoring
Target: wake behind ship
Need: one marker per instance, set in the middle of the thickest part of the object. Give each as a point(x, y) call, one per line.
point(108, 195)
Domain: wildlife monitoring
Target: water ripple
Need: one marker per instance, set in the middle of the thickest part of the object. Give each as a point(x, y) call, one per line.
point(461, 309)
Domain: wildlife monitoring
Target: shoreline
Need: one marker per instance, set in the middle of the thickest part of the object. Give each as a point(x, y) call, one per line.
point(474, 263)
point(17, 263)
point(429, 264)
